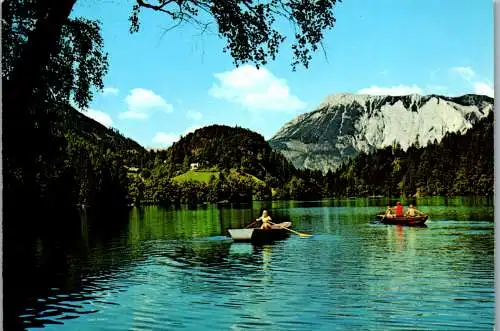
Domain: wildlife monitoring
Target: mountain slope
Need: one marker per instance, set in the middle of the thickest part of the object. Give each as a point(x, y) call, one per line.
point(345, 124)
point(94, 132)
point(73, 160)
point(227, 148)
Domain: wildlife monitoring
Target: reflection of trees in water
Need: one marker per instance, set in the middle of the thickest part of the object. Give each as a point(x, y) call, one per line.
point(158, 223)
point(70, 263)
point(150, 223)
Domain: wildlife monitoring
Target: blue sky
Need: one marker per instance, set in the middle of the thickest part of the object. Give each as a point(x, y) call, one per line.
point(162, 85)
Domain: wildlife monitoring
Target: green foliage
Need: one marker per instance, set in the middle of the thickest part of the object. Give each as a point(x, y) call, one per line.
point(76, 65)
point(455, 166)
point(68, 158)
point(250, 28)
point(227, 147)
point(458, 165)
point(196, 176)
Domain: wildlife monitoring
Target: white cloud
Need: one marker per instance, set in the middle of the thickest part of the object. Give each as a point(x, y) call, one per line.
point(484, 89)
point(255, 89)
point(165, 139)
point(99, 116)
point(465, 72)
point(393, 90)
point(195, 115)
point(110, 90)
point(141, 101)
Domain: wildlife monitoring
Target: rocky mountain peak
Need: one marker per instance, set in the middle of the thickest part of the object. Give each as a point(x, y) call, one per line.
point(345, 124)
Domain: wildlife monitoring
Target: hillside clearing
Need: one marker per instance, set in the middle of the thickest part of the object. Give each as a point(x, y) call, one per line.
point(197, 176)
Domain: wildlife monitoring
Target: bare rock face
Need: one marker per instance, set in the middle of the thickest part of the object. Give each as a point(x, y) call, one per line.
point(346, 124)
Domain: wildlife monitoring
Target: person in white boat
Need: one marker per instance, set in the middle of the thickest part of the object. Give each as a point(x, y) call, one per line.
point(265, 218)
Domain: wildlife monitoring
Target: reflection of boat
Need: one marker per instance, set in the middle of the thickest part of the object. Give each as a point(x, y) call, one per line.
point(403, 220)
point(258, 235)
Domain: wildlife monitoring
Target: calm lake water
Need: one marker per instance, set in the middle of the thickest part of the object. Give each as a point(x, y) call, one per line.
point(175, 269)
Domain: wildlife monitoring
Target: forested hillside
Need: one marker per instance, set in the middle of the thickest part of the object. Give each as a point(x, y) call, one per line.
point(233, 164)
point(457, 165)
point(230, 147)
point(73, 160)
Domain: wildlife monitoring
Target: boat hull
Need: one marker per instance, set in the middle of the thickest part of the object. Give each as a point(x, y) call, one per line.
point(257, 235)
point(404, 220)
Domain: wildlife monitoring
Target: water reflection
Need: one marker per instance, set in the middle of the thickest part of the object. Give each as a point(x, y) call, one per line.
point(174, 268)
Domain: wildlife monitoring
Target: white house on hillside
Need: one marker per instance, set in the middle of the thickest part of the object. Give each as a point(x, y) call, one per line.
point(195, 166)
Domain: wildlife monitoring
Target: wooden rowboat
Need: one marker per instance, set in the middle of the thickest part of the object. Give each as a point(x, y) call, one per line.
point(404, 220)
point(259, 235)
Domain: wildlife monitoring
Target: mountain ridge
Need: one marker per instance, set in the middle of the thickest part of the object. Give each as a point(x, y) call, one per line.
point(344, 124)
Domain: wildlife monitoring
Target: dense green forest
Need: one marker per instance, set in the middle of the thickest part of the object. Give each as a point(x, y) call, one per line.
point(55, 158)
point(234, 164)
point(460, 164)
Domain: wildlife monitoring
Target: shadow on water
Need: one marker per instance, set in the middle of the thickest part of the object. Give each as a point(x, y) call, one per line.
point(47, 255)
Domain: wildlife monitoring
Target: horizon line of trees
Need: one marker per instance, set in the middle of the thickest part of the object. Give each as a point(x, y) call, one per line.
point(460, 164)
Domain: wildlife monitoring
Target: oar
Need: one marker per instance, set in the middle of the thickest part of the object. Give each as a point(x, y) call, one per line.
point(301, 235)
point(249, 225)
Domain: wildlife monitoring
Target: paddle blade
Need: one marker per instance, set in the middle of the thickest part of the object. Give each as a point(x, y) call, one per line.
point(303, 235)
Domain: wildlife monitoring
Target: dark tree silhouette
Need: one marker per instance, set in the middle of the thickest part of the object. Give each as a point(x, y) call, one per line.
point(249, 27)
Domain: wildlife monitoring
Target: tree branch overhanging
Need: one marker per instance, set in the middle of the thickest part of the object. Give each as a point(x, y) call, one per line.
point(249, 26)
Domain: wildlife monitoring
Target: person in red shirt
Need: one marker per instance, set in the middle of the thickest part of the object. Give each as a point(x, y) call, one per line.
point(399, 209)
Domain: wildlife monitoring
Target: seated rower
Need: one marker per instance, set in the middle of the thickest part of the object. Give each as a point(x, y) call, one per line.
point(388, 211)
point(412, 211)
point(265, 218)
point(399, 209)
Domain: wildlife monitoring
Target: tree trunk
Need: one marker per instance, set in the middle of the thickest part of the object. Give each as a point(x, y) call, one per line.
point(19, 91)
point(18, 95)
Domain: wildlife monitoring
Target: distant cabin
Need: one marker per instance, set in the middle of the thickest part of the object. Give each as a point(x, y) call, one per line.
point(195, 166)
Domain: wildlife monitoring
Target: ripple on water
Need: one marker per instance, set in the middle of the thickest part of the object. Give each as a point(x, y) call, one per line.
point(351, 275)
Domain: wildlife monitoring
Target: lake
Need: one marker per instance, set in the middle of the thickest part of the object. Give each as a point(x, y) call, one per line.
point(167, 269)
